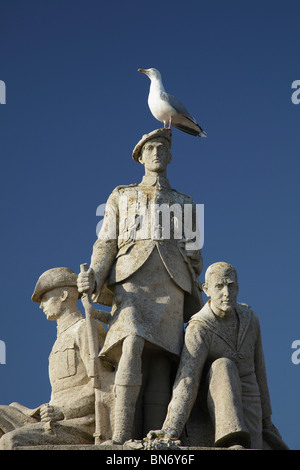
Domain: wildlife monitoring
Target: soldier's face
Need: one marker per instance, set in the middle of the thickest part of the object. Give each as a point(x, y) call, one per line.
point(223, 290)
point(51, 304)
point(155, 156)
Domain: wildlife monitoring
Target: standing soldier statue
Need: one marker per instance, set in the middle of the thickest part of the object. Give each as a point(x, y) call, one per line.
point(147, 269)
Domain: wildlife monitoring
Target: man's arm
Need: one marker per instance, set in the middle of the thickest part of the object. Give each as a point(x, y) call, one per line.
point(187, 381)
point(270, 432)
point(261, 376)
point(51, 413)
point(104, 250)
point(106, 246)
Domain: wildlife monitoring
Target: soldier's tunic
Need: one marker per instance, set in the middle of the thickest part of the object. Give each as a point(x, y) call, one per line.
point(72, 389)
point(141, 262)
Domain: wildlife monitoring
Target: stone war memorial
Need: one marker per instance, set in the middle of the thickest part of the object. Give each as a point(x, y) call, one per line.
point(171, 363)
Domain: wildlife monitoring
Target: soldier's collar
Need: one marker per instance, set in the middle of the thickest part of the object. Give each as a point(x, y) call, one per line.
point(155, 181)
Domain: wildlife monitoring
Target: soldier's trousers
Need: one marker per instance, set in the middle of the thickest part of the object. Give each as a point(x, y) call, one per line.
point(237, 418)
point(145, 371)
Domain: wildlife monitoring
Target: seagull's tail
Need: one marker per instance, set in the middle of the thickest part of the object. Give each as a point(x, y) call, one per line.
point(202, 133)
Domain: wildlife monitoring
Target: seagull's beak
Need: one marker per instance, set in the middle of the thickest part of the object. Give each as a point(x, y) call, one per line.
point(143, 71)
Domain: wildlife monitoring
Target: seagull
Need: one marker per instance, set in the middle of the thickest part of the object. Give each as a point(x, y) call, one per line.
point(168, 109)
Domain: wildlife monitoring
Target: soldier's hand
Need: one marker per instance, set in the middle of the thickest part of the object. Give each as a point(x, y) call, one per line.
point(50, 413)
point(86, 281)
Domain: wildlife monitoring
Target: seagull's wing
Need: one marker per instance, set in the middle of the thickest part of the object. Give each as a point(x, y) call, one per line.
point(183, 119)
point(177, 105)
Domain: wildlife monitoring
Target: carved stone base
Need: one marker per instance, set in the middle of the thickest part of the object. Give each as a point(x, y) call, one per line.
point(112, 447)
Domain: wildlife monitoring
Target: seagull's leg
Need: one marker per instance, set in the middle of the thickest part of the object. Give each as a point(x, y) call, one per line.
point(170, 122)
point(165, 124)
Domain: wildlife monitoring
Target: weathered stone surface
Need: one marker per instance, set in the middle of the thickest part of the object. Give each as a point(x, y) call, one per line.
point(69, 417)
point(151, 272)
point(223, 359)
point(116, 448)
point(112, 388)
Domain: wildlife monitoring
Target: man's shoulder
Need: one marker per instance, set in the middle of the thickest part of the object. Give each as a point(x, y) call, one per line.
point(247, 311)
point(121, 190)
point(245, 308)
point(124, 187)
point(80, 333)
point(81, 325)
point(183, 195)
point(76, 328)
point(203, 313)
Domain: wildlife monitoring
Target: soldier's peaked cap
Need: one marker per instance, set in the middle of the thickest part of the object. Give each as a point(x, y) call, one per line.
point(51, 279)
point(157, 134)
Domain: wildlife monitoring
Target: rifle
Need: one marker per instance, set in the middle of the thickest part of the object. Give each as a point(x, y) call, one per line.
point(93, 370)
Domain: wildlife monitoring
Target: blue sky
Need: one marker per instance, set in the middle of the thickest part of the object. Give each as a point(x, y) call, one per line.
point(75, 108)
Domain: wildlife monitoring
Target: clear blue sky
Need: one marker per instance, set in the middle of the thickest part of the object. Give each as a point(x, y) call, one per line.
point(75, 108)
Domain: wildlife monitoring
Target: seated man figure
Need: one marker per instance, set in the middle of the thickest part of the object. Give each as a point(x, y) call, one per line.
point(223, 348)
point(69, 417)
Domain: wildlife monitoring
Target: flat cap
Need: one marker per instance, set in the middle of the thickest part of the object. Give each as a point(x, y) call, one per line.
point(157, 134)
point(51, 279)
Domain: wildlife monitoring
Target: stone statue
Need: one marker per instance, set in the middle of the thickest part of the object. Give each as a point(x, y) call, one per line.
point(69, 417)
point(148, 271)
point(223, 355)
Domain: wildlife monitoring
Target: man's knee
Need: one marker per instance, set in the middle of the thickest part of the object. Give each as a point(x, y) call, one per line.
point(223, 364)
point(130, 365)
point(223, 371)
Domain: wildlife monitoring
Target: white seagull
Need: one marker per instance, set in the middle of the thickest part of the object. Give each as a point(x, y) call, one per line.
point(168, 109)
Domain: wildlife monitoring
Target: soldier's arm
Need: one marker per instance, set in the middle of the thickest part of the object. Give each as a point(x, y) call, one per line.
point(270, 432)
point(106, 246)
point(101, 315)
point(185, 389)
point(260, 371)
point(51, 413)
